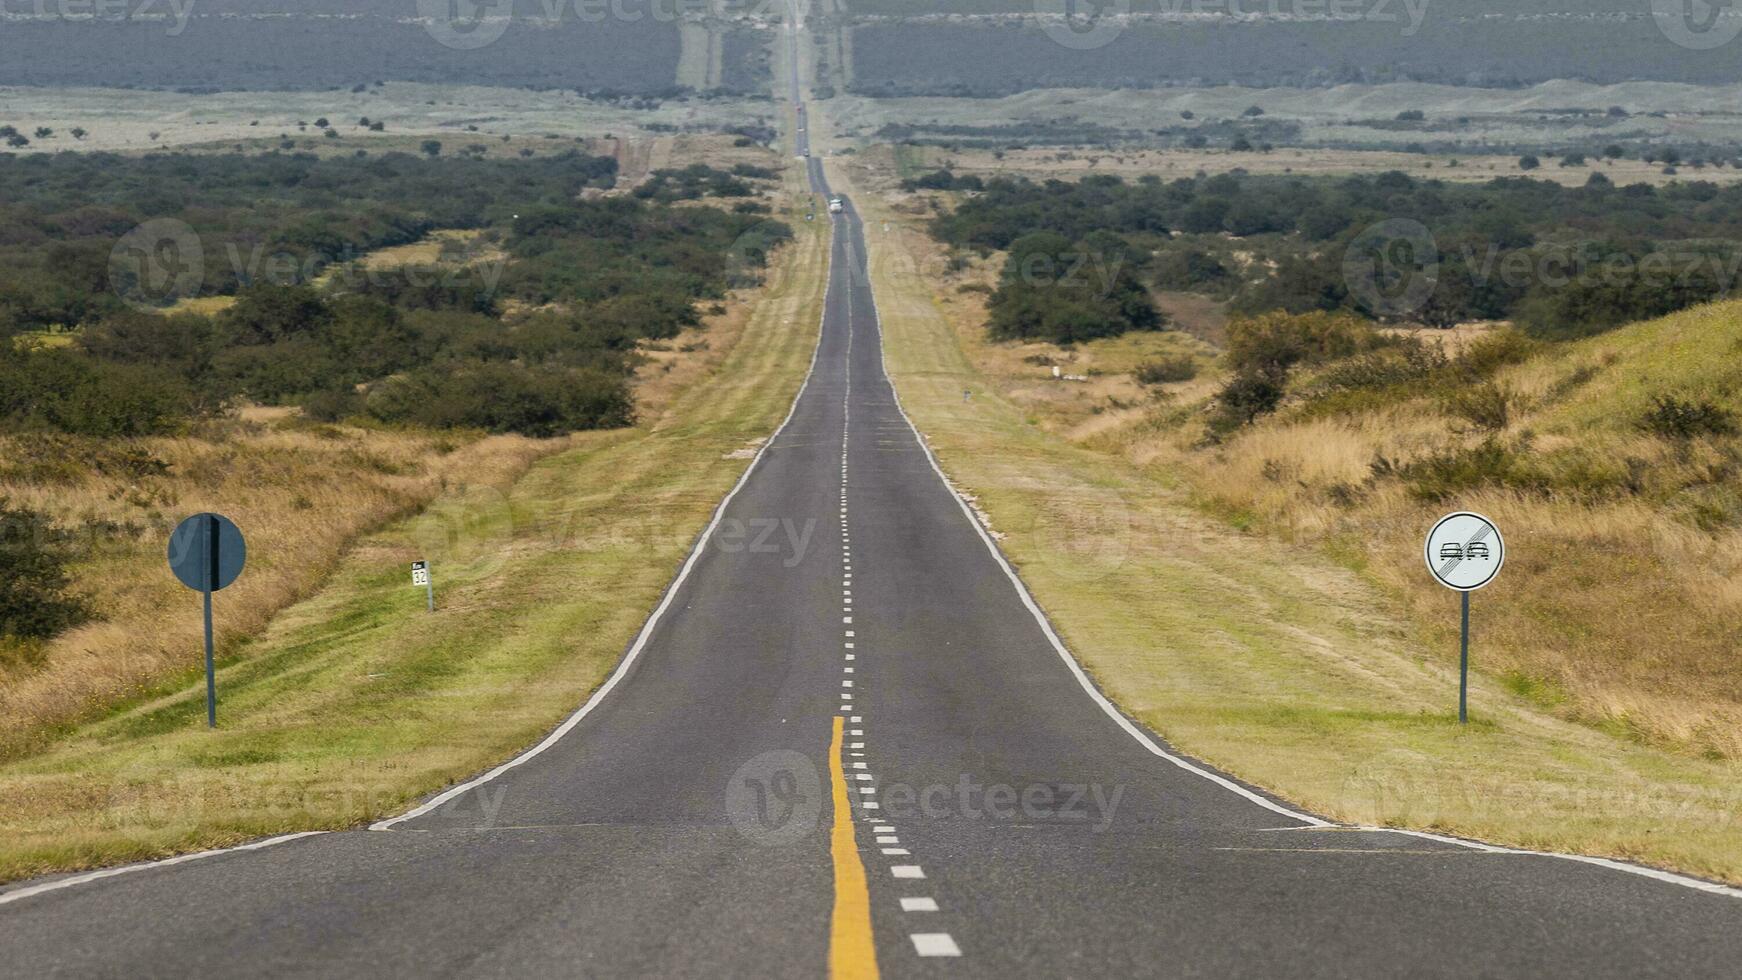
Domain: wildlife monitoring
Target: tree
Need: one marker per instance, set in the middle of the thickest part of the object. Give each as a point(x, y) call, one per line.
point(36, 597)
point(79, 132)
point(1614, 151)
point(18, 140)
point(1253, 111)
point(1411, 115)
point(44, 133)
point(1528, 162)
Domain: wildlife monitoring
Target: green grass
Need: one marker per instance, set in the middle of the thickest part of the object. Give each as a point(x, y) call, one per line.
point(357, 701)
point(1278, 662)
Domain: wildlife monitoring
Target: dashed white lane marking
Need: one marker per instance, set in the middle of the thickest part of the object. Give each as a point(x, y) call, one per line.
point(934, 944)
point(888, 839)
point(883, 829)
point(919, 904)
point(907, 871)
point(640, 642)
point(896, 852)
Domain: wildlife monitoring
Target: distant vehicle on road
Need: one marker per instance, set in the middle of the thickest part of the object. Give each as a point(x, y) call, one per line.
point(835, 205)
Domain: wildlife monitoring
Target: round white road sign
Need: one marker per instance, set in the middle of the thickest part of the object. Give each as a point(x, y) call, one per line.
point(1464, 551)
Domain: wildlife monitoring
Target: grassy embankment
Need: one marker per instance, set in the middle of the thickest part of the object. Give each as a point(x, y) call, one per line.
point(1315, 659)
point(354, 701)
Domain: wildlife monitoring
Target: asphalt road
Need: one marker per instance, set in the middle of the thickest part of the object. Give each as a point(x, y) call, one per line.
point(681, 825)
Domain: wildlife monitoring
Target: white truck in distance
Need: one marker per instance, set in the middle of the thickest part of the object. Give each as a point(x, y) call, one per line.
point(835, 205)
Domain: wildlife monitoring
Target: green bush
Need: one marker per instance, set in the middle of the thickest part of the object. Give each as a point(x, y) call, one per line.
point(1273, 343)
point(36, 597)
point(497, 396)
point(1166, 369)
point(65, 390)
point(1485, 406)
point(1672, 418)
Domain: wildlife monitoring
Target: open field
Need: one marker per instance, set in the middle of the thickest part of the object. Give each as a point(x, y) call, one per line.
point(1307, 664)
point(1471, 124)
point(127, 120)
point(354, 700)
point(1071, 164)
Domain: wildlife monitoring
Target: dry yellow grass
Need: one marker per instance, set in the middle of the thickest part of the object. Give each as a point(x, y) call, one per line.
point(301, 494)
point(1314, 663)
point(354, 701)
point(1614, 609)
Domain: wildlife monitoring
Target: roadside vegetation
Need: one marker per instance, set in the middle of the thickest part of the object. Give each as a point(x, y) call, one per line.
point(329, 366)
point(538, 342)
point(1250, 583)
point(340, 698)
point(1562, 262)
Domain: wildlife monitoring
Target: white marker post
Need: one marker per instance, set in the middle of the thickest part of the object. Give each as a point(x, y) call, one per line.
point(1464, 551)
point(420, 576)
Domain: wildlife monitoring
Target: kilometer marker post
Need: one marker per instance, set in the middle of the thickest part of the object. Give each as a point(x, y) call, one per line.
point(1464, 551)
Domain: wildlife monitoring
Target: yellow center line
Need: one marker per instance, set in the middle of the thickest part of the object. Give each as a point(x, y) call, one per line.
point(851, 954)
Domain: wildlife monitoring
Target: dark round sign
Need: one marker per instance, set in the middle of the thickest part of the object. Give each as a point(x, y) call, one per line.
point(207, 552)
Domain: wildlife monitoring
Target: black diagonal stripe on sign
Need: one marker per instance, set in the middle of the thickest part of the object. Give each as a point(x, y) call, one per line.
point(1480, 535)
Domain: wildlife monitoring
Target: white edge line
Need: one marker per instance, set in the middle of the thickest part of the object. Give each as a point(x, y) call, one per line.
point(59, 883)
point(1076, 669)
point(1634, 869)
point(628, 658)
point(665, 602)
point(1070, 661)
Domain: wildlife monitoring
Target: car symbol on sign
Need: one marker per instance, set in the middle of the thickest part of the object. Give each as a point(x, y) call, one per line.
point(1473, 550)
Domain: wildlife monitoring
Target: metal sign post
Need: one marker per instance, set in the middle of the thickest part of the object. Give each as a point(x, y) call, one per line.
point(207, 552)
point(420, 576)
point(1464, 551)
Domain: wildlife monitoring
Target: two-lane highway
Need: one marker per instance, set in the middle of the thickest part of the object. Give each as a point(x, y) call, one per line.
point(848, 742)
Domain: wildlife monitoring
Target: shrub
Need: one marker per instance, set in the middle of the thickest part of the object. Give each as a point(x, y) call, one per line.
point(1246, 396)
point(1486, 406)
point(1410, 360)
point(1438, 478)
point(535, 400)
point(36, 599)
point(1672, 418)
point(1163, 370)
point(1274, 342)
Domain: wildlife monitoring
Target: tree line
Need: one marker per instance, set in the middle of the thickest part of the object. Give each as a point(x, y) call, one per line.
point(1561, 261)
point(536, 337)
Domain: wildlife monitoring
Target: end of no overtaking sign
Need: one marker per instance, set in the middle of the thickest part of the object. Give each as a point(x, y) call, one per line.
point(1464, 551)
